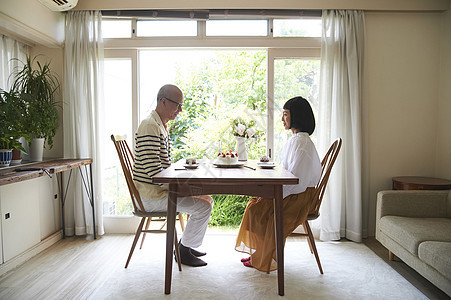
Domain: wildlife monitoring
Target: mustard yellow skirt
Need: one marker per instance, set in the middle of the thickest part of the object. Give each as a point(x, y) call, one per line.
point(256, 234)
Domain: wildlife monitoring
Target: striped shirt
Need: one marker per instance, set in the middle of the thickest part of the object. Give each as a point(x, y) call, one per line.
point(152, 155)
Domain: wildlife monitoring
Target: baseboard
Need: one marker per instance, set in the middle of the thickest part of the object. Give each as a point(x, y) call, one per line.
point(26, 255)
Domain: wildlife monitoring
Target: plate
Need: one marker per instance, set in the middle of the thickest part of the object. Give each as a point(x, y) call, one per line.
point(191, 166)
point(266, 165)
point(237, 165)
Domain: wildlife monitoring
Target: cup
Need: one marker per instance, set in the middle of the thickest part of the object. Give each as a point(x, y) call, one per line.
point(190, 161)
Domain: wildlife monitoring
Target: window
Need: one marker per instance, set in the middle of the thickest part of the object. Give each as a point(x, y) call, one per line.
point(237, 27)
point(166, 28)
point(116, 29)
point(293, 77)
point(118, 121)
point(250, 78)
point(297, 27)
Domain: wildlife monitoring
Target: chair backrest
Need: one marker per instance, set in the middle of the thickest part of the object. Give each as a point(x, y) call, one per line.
point(126, 158)
point(326, 167)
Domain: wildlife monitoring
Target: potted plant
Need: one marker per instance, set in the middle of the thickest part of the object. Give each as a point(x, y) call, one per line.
point(12, 114)
point(39, 88)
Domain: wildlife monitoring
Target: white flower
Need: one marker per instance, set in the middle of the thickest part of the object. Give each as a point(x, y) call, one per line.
point(240, 129)
point(250, 132)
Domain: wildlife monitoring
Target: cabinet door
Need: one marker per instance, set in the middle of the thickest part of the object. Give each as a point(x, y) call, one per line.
point(20, 217)
point(49, 206)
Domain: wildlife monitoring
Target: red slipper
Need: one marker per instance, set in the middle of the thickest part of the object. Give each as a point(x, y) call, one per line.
point(246, 259)
point(248, 264)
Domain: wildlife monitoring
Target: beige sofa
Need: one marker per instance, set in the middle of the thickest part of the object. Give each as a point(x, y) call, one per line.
point(416, 227)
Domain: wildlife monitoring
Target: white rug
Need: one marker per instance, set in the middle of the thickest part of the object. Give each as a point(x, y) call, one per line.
point(351, 271)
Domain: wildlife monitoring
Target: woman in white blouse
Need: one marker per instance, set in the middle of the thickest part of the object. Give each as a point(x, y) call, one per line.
point(299, 156)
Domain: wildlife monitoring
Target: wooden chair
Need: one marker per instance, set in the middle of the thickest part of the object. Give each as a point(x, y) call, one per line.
point(126, 158)
point(326, 167)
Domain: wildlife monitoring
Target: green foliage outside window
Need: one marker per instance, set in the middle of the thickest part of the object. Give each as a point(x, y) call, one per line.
point(217, 91)
point(228, 210)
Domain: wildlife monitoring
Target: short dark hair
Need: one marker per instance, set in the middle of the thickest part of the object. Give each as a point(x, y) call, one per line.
point(301, 114)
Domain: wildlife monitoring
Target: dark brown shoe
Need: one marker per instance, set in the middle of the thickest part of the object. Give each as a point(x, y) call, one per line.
point(197, 253)
point(187, 258)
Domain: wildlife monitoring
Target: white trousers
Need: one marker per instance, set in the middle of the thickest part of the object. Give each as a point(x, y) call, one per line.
point(199, 210)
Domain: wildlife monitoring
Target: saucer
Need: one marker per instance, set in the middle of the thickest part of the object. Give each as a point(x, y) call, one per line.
point(266, 165)
point(191, 166)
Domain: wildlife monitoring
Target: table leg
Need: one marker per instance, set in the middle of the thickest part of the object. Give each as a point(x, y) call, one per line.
point(92, 203)
point(59, 177)
point(278, 221)
point(63, 195)
point(172, 206)
point(89, 189)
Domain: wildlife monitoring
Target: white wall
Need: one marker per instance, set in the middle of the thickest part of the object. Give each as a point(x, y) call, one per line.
point(443, 161)
point(401, 91)
point(32, 21)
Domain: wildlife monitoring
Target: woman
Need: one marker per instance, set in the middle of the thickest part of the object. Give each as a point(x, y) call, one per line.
point(299, 156)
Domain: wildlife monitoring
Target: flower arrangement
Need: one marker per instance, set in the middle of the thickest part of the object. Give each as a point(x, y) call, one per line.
point(243, 129)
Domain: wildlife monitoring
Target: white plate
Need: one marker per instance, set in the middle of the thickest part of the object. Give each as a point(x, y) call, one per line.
point(191, 166)
point(266, 165)
point(237, 165)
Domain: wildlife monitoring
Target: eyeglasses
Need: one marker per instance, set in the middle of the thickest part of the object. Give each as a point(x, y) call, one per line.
point(179, 105)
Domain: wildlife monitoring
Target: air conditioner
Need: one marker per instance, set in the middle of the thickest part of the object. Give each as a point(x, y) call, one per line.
point(59, 5)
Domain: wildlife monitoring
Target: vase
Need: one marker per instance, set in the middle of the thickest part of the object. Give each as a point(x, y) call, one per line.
point(36, 149)
point(241, 148)
point(5, 157)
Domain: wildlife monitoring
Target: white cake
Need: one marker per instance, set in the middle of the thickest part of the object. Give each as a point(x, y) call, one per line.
point(227, 158)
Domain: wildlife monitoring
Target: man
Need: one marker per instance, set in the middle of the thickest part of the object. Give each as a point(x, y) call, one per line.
point(152, 155)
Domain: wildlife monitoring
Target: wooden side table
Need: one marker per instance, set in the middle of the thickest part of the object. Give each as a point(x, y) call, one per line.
point(420, 183)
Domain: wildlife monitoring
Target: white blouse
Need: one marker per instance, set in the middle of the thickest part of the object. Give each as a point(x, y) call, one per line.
point(299, 156)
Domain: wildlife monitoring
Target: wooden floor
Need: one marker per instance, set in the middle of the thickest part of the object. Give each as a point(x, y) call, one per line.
point(74, 268)
point(67, 264)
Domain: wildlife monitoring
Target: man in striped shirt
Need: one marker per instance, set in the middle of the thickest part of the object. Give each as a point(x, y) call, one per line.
point(152, 155)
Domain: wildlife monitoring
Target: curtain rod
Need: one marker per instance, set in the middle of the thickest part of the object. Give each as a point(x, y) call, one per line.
point(213, 13)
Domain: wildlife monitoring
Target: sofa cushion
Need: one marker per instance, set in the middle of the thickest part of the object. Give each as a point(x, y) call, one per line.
point(410, 232)
point(437, 255)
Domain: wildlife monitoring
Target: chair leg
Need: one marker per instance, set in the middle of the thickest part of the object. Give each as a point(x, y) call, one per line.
point(164, 224)
point(312, 241)
point(144, 233)
point(177, 250)
point(138, 233)
point(308, 239)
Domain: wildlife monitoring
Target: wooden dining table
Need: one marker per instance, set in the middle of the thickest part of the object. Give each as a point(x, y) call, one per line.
point(208, 179)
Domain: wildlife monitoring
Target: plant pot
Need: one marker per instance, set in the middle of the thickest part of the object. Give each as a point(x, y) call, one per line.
point(16, 157)
point(36, 149)
point(5, 157)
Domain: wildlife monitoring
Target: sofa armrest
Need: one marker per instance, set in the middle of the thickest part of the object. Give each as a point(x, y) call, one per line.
point(413, 203)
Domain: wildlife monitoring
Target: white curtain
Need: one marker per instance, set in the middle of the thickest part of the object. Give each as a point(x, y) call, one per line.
point(83, 107)
point(9, 49)
point(340, 110)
